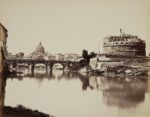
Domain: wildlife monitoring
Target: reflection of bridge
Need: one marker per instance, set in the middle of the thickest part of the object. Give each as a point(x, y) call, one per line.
point(33, 62)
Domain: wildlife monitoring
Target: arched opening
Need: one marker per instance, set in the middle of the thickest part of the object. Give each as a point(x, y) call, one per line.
point(58, 66)
point(39, 68)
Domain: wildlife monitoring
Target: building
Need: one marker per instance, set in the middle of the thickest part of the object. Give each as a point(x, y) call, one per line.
point(59, 56)
point(40, 49)
point(123, 50)
point(124, 45)
point(3, 37)
point(39, 53)
point(71, 57)
point(51, 57)
point(3, 47)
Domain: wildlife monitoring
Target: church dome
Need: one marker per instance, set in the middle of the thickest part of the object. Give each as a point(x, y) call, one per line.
point(40, 48)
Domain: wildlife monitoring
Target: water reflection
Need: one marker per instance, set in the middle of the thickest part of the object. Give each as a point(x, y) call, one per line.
point(20, 110)
point(101, 93)
point(122, 93)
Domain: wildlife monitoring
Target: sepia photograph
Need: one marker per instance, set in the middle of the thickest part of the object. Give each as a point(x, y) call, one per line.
point(74, 58)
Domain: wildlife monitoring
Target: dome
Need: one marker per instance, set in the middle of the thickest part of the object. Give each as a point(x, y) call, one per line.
point(40, 48)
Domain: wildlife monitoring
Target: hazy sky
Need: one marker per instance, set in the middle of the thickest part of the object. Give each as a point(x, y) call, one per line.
point(71, 25)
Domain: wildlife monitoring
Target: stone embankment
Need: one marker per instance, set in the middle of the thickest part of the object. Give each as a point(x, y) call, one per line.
point(128, 70)
point(119, 68)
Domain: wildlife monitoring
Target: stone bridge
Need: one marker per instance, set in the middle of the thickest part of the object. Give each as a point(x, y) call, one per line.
point(33, 62)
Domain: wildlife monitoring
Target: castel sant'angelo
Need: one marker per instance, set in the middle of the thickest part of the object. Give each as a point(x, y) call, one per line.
point(126, 48)
point(124, 45)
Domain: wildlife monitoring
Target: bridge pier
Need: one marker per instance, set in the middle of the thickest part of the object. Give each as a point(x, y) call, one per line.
point(63, 67)
point(46, 67)
point(32, 68)
point(51, 67)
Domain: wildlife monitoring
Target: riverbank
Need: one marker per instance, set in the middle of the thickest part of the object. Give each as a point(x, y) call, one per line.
point(21, 111)
point(122, 70)
point(135, 66)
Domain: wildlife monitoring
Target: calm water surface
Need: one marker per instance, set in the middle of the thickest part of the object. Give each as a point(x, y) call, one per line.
point(75, 95)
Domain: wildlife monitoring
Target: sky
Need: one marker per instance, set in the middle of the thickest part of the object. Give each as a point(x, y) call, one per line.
point(69, 26)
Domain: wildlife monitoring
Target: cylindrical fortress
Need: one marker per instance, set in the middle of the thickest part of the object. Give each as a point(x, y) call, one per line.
point(124, 45)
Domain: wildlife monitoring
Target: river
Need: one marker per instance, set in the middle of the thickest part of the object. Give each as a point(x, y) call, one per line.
point(66, 94)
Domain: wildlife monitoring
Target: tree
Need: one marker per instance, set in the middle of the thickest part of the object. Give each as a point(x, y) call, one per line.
point(88, 57)
point(92, 55)
point(85, 54)
point(21, 54)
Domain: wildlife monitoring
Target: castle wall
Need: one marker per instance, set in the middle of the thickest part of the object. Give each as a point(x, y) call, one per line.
point(124, 46)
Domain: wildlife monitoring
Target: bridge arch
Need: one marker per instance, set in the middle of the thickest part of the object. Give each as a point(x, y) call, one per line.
point(48, 63)
point(42, 65)
point(39, 65)
point(58, 66)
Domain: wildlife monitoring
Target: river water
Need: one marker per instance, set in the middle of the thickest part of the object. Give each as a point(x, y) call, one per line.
point(65, 94)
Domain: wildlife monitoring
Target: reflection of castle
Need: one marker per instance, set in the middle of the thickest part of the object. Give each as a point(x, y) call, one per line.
point(120, 92)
